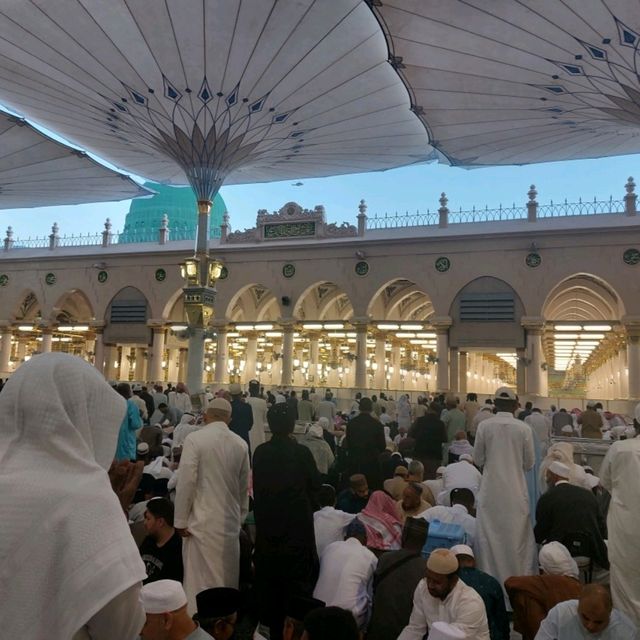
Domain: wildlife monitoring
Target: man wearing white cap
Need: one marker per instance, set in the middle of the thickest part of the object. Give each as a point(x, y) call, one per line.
point(570, 514)
point(488, 589)
point(165, 605)
point(442, 597)
point(504, 447)
point(212, 502)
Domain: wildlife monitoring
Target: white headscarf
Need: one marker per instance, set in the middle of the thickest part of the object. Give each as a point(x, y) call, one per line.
point(555, 560)
point(65, 548)
point(563, 452)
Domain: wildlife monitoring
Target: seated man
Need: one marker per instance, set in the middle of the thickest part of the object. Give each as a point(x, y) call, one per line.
point(218, 611)
point(442, 597)
point(396, 485)
point(166, 415)
point(571, 515)
point(297, 610)
point(459, 475)
point(346, 574)
point(165, 605)
point(355, 498)
point(459, 447)
point(460, 512)
point(412, 502)
point(592, 615)
point(329, 523)
point(331, 623)
point(489, 590)
point(533, 596)
point(395, 580)
point(161, 550)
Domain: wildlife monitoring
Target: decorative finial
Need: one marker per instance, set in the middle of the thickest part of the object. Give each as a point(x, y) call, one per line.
point(107, 224)
point(164, 223)
point(443, 200)
point(532, 193)
point(55, 228)
point(9, 232)
point(630, 186)
point(362, 207)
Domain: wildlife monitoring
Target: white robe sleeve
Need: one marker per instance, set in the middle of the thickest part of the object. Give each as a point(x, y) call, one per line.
point(605, 470)
point(417, 627)
point(529, 453)
point(479, 450)
point(122, 618)
point(186, 488)
point(549, 627)
point(244, 486)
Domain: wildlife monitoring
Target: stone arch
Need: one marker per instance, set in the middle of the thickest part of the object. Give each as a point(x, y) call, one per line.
point(253, 303)
point(583, 297)
point(400, 299)
point(73, 307)
point(323, 300)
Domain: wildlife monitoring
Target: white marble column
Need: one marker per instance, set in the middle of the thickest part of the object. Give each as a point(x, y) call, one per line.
point(173, 363)
point(157, 354)
point(534, 328)
point(5, 351)
point(361, 355)
point(396, 361)
point(454, 370)
point(633, 364)
point(379, 378)
point(125, 365)
point(99, 351)
point(141, 365)
point(287, 352)
point(183, 355)
point(220, 373)
point(464, 367)
point(442, 353)
point(521, 372)
point(251, 353)
point(47, 337)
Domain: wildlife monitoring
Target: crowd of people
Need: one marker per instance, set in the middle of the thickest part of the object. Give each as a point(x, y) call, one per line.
point(148, 511)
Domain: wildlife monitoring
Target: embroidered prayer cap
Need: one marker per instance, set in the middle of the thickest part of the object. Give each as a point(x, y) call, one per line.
point(235, 389)
point(504, 393)
point(442, 561)
point(221, 405)
point(462, 550)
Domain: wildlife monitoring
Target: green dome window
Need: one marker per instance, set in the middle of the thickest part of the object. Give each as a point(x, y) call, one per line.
point(179, 203)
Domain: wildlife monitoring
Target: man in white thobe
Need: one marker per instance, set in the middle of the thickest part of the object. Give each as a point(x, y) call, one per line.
point(211, 503)
point(459, 475)
point(329, 523)
point(259, 408)
point(619, 474)
point(442, 597)
point(504, 447)
point(542, 426)
point(346, 575)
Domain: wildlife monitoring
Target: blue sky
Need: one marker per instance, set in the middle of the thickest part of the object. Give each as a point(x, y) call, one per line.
point(410, 188)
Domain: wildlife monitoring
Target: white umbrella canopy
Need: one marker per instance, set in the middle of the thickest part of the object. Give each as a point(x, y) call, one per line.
point(520, 81)
point(38, 171)
point(213, 91)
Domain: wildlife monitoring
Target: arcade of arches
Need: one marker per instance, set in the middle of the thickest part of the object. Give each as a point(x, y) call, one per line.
point(579, 346)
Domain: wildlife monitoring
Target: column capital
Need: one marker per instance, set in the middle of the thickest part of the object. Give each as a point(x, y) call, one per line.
point(533, 324)
point(441, 324)
point(96, 327)
point(219, 324)
point(46, 327)
point(156, 323)
point(360, 321)
point(631, 325)
point(287, 324)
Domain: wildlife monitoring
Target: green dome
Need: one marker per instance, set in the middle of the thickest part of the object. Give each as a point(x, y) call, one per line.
point(179, 203)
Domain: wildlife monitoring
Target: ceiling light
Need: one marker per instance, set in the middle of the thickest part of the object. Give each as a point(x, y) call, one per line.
point(25, 327)
point(273, 334)
point(597, 327)
point(405, 335)
point(263, 326)
point(244, 327)
point(312, 325)
point(411, 327)
point(179, 327)
point(388, 327)
point(567, 327)
point(334, 325)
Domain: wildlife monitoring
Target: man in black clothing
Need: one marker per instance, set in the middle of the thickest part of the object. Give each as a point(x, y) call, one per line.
point(148, 400)
point(571, 515)
point(429, 433)
point(355, 498)
point(526, 411)
point(161, 550)
point(285, 479)
point(364, 442)
point(241, 415)
point(292, 401)
point(395, 580)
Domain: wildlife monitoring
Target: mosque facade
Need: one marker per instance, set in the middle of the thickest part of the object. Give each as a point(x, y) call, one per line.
point(541, 298)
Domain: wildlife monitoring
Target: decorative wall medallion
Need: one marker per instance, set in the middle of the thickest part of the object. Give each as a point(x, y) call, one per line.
point(161, 275)
point(50, 278)
point(224, 273)
point(533, 260)
point(288, 271)
point(103, 276)
point(443, 264)
point(4, 280)
point(631, 256)
point(362, 268)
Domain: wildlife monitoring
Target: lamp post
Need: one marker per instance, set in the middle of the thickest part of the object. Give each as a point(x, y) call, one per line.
point(200, 274)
